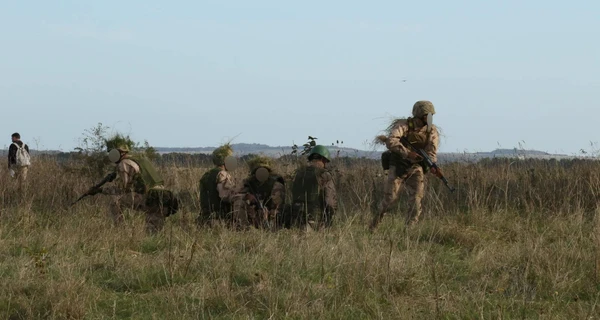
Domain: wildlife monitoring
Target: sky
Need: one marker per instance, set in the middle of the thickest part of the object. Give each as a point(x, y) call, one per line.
point(200, 73)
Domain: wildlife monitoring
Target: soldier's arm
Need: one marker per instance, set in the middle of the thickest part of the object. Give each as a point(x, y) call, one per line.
point(432, 147)
point(225, 186)
point(278, 194)
point(393, 142)
point(330, 190)
point(246, 192)
point(122, 183)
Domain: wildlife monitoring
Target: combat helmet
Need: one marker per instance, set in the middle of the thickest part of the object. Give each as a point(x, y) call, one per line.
point(114, 155)
point(321, 151)
point(220, 153)
point(123, 148)
point(423, 108)
point(260, 162)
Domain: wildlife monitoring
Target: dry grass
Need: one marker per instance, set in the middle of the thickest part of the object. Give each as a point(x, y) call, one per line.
point(518, 240)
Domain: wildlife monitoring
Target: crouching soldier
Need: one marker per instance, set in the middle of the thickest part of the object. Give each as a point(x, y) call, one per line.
point(218, 189)
point(314, 198)
point(138, 187)
point(263, 196)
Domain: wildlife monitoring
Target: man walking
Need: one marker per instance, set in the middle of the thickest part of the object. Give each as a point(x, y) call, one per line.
point(19, 159)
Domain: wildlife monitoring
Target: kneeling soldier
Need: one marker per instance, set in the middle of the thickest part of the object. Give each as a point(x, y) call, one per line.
point(263, 196)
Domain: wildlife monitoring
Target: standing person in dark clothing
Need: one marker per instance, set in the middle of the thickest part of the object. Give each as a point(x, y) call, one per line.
point(18, 158)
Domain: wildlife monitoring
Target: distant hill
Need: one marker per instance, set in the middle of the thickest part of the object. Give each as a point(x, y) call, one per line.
point(242, 149)
point(255, 148)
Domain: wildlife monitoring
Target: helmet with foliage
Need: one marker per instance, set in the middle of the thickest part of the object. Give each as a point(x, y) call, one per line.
point(120, 142)
point(423, 108)
point(220, 153)
point(260, 162)
point(321, 151)
point(123, 148)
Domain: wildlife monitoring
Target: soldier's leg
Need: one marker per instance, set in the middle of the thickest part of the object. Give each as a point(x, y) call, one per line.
point(328, 217)
point(116, 210)
point(155, 219)
point(252, 215)
point(240, 214)
point(204, 217)
point(296, 215)
point(272, 218)
point(128, 201)
point(415, 185)
point(226, 215)
point(391, 189)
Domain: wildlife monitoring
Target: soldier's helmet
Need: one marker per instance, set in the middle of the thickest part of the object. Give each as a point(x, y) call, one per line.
point(423, 108)
point(221, 153)
point(321, 151)
point(260, 162)
point(114, 155)
point(123, 148)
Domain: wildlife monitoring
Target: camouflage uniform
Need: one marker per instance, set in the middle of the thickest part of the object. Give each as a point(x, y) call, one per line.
point(156, 202)
point(218, 190)
point(314, 195)
point(217, 193)
point(268, 194)
point(405, 171)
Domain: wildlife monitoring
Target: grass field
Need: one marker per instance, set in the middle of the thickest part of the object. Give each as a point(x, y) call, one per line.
point(519, 240)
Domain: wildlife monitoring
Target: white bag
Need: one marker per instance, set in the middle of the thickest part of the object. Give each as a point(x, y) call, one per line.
point(22, 158)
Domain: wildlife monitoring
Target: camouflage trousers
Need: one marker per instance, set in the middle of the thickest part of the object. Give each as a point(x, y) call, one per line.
point(245, 215)
point(155, 215)
point(414, 182)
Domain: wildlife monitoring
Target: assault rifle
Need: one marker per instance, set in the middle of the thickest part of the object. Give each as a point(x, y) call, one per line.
point(97, 188)
point(428, 161)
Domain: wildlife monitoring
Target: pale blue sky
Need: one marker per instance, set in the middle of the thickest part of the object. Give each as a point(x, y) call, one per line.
point(194, 73)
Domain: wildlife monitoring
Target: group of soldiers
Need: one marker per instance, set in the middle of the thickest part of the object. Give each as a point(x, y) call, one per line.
point(260, 200)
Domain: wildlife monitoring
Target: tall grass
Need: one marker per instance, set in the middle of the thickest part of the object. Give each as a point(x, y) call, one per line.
point(517, 240)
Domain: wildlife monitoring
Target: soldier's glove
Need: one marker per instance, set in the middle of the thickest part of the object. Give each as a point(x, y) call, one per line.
point(437, 172)
point(414, 156)
point(250, 198)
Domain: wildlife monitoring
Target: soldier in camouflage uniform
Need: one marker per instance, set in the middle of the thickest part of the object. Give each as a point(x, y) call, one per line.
point(406, 167)
point(218, 189)
point(263, 195)
point(314, 197)
point(138, 187)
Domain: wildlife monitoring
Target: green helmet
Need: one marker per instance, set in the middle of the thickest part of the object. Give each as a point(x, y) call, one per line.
point(320, 150)
point(260, 162)
point(423, 108)
point(220, 153)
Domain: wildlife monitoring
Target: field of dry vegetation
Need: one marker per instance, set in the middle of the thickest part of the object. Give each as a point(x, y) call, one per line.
point(517, 240)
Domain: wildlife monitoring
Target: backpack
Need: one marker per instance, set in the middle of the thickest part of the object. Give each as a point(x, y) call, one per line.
point(22, 158)
point(210, 202)
point(307, 196)
point(148, 177)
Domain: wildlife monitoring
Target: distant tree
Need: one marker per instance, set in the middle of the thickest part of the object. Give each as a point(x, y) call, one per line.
point(95, 143)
